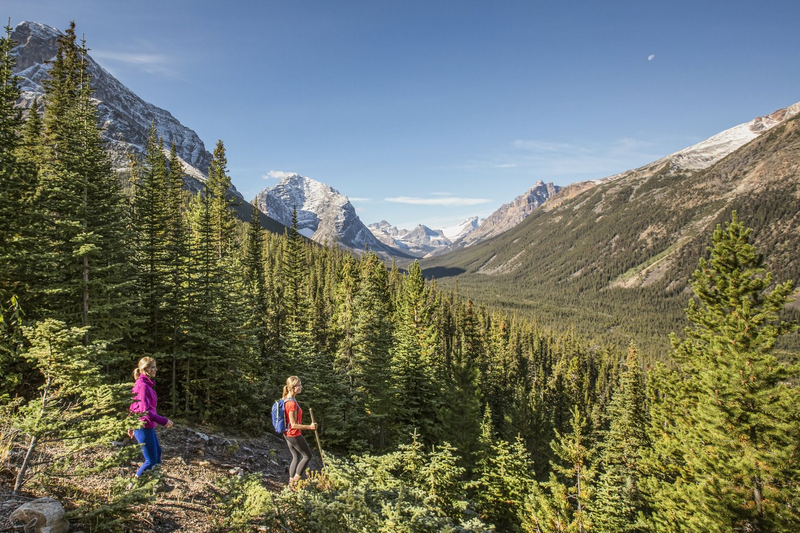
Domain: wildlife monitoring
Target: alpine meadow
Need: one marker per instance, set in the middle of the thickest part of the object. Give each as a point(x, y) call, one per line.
point(623, 358)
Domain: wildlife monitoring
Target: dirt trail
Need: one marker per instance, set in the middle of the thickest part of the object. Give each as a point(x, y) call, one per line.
point(193, 463)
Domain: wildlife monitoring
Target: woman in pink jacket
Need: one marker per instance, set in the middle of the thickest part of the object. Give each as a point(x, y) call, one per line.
point(144, 402)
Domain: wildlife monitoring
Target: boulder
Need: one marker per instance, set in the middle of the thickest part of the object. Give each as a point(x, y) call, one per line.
point(44, 515)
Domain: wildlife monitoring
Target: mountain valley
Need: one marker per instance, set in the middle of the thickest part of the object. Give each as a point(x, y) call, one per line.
point(616, 255)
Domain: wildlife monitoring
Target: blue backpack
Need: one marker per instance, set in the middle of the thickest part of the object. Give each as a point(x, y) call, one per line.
point(279, 415)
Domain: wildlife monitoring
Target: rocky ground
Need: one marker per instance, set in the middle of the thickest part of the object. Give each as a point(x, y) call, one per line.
point(194, 462)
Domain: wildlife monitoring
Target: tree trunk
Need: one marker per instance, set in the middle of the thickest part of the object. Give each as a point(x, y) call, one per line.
point(757, 496)
point(86, 297)
point(24, 467)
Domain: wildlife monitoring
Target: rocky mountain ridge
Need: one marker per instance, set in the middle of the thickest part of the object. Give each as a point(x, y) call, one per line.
point(323, 214)
point(125, 118)
point(418, 242)
point(506, 217)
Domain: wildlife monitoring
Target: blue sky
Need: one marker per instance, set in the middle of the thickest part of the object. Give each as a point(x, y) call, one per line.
point(432, 111)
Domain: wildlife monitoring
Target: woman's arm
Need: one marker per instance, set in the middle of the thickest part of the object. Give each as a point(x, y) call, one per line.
point(152, 414)
point(294, 425)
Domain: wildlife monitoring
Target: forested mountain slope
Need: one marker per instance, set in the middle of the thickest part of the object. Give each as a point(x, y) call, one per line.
point(616, 259)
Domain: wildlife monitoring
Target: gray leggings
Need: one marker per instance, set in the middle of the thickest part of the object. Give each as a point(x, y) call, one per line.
point(301, 453)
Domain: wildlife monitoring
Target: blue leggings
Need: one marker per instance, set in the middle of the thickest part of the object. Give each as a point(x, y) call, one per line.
point(151, 448)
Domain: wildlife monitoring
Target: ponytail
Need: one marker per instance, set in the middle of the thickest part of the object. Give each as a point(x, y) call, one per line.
point(291, 383)
point(144, 362)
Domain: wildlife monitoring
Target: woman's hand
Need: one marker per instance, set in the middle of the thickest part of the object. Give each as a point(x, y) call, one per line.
point(130, 433)
point(168, 424)
point(313, 427)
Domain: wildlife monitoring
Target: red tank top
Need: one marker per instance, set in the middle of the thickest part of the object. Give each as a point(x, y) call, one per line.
point(290, 404)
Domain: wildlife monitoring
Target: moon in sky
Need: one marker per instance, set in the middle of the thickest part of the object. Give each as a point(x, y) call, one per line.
point(651, 57)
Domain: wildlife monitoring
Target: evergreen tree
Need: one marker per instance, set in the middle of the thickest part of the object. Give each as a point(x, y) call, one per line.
point(560, 504)
point(15, 196)
point(504, 476)
point(460, 412)
point(151, 220)
point(500, 378)
point(740, 428)
point(85, 274)
point(222, 203)
point(12, 187)
point(74, 406)
point(296, 342)
point(372, 342)
point(344, 319)
point(416, 395)
point(18, 182)
point(619, 505)
point(203, 342)
point(258, 295)
point(220, 377)
point(178, 253)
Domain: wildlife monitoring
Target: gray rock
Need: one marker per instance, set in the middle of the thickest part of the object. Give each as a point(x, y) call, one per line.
point(44, 515)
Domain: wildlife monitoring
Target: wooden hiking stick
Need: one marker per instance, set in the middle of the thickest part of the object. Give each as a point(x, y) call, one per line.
point(319, 446)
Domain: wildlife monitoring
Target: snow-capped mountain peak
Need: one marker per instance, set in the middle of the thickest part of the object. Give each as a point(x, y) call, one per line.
point(456, 232)
point(418, 242)
point(323, 214)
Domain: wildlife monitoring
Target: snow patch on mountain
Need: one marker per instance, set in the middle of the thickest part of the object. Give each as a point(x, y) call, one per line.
point(462, 230)
point(706, 153)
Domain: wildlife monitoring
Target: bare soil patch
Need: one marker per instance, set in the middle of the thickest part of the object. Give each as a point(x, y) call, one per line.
point(194, 462)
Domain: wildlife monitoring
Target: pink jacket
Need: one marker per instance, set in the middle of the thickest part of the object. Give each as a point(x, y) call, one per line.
point(145, 400)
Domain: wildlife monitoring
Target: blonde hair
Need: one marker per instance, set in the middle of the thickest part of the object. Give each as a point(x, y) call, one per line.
point(144, 362)
point(291, 383)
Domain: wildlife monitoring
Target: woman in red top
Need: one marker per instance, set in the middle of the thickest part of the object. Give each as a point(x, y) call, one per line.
point(298, 446)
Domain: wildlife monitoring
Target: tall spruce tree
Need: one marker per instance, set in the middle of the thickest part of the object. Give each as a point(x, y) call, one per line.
point(220, 380)
point(416, 393)
point(739, 464)
point(178, 254)
point(14, 195)
point(221, 202)
point(19, 170)
point(295, 340)
point(85, 274)
point(12, 182)
point(151, 220)
point(372, 342)
point(460, 412)
point(560, 504)
point(619, 503)
point(259, 308)
point(344, 318)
